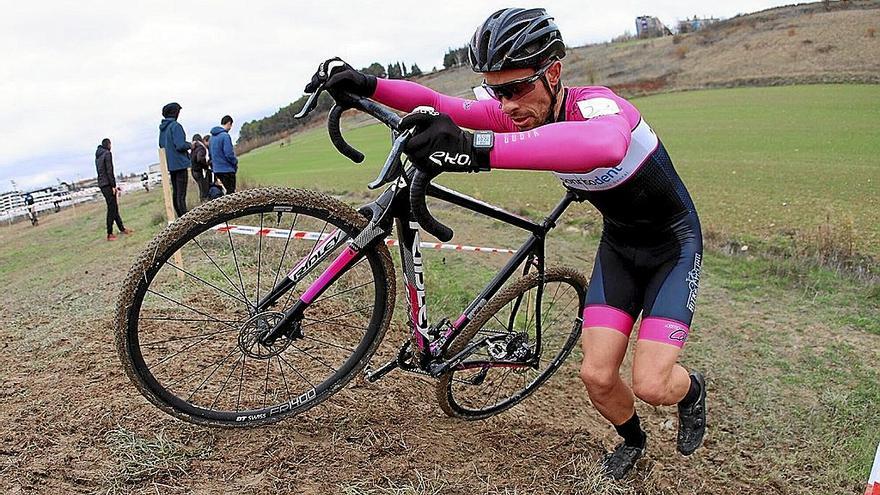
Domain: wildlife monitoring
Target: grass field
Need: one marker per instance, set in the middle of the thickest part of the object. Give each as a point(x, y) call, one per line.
point(778, 165)
point(791, 349)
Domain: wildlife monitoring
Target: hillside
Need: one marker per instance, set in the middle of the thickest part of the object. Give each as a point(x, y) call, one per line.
point(807, 43)
point(786, 45)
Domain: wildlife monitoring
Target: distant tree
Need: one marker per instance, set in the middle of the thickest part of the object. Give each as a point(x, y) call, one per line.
point(455, 57)
point(415, 71)
point(403, 71)
point(394, 71)
point(375, 69)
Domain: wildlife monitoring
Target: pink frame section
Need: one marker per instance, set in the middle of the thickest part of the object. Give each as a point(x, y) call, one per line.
point(600, 315)
point(316, 249)
point(663, 330)
point(339, 264)
point(414, 309)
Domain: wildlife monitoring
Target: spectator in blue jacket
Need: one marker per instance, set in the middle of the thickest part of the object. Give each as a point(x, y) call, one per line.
point(223, 159)
point(172, 139)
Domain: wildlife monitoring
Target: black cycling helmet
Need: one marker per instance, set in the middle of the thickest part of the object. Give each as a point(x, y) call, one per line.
point(515, 39)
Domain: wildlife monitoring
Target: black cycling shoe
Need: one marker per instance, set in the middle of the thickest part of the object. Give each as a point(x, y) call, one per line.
point(620, 462)
point(692, 420)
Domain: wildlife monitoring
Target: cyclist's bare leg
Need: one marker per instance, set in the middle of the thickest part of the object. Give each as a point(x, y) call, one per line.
point(604, 349)
point(658, 379)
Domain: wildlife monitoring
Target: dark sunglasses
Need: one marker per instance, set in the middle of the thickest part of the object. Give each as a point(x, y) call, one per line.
point(516, 89)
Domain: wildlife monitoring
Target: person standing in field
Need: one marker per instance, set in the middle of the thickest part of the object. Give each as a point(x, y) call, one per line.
point(223, 160)
point(172, 139)
point(207, 140)
point(107, 183)
point(200, 171)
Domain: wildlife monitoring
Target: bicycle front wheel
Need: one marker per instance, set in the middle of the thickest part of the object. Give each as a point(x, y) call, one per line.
point(512, 357)
point(188, 329)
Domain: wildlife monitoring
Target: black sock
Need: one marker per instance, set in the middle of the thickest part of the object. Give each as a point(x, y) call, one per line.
point(693, 393)
point(631, 431)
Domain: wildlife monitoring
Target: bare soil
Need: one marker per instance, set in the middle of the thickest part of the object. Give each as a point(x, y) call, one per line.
point(71, 422)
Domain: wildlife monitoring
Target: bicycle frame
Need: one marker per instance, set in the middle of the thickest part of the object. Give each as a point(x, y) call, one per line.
point(390, 209)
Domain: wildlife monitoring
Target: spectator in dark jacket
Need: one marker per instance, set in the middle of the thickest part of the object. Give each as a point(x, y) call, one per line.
point(207, 139)
point(223, 159)
point(107, 183)
point(200, 171)
point(173, 140)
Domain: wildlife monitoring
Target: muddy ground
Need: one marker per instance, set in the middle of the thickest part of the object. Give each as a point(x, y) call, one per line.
point(71, 422)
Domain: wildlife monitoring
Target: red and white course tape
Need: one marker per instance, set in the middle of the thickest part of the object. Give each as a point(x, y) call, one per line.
point(311, 236)
point(874, 479)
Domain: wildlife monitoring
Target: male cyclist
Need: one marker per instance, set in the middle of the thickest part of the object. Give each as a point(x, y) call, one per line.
point(596, 142)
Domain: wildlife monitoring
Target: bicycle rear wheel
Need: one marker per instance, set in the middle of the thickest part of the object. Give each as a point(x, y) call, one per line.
point(187, 326)
point(512, 362)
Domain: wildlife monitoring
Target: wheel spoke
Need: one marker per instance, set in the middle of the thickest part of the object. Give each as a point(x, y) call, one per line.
point(311, 251)
point(226, 382)
point(209, 284)
point(266, 389)
point(175, 339)
point(259, 257)
point(286, 244)
point(235, 259)
point(247, 304)
point(219, 364)
point(302, 377)
point(315, 322)
point(283, 377)
point(319, 360)
point(325, 298)
point(151, 291)
point(190, 346)
point(240, 380)
point(165, 318)
point(313, 339)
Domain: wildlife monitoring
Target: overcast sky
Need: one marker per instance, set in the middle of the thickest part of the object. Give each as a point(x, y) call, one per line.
point(73, 73)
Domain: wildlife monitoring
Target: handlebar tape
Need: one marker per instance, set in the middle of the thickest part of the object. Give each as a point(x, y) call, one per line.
point(336, 135)
point(420, 209)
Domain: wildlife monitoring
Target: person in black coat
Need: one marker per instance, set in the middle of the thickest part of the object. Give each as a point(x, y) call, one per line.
point(200, 170)
point(107, 183)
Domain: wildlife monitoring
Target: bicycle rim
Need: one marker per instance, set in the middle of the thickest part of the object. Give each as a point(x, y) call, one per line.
point(513, 363)
point(189, 326)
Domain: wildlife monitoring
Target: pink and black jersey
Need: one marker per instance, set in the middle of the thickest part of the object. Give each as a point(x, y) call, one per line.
point(602, 147)
point(649, 257)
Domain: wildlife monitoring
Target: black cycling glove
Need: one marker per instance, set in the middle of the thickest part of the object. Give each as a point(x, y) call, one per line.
point(339, 76)
point(438, 145)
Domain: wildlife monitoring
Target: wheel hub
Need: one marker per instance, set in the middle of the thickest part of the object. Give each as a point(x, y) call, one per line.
point(254, 329)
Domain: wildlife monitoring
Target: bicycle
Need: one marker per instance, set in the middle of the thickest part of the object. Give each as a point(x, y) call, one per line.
point(317, 325)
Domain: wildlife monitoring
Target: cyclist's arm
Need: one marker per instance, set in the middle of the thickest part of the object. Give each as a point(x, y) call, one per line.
point(569, 147)
point(473, 114)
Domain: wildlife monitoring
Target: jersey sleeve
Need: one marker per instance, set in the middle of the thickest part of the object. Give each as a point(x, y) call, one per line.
point(473, 114)
point(568, 147)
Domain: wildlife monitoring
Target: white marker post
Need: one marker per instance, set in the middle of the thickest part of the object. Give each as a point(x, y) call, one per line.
point(169, 208)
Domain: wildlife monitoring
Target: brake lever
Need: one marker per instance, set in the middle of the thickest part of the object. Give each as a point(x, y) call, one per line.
point(311, 103)
point(393, 165)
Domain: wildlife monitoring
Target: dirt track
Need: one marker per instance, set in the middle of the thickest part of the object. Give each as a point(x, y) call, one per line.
point(72, 422)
